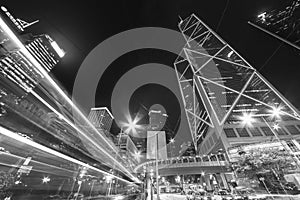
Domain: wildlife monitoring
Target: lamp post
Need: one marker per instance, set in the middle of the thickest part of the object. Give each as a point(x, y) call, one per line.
point(93, 183)
point(172, 141)
point(262, 179)
point(119, 141)
point(156, 164)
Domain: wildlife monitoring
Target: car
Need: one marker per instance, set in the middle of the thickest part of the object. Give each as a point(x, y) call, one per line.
point(248, 194)
point(2, 149)
point(24, 135)
point(190, 195)
point(239, 195)
point(202, 196)
point(221, 195)
point(77, 196)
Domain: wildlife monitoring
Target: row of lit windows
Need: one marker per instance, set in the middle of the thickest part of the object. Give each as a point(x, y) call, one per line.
point(261, 131)
point(206, 146)
point(292, 146)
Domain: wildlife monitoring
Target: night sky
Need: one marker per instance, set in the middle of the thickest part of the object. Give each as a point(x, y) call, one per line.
point(78, 26)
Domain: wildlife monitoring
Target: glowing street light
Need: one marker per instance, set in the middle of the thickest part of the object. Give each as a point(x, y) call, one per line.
point(46, 179)
point(276, 127)
point(247, 119)
point(108, 178)
point(172, 140)
point(177, 179)
point(276, 112)
point(131, 124)
point(137, 155)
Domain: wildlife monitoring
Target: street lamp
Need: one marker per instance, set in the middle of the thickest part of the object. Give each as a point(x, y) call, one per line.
point(276, 112)
point(247, 119)
point(137, 155)
point(172, 141)
point(156, 158)
point(276, 127)
point(46, 179)
point(131, 125)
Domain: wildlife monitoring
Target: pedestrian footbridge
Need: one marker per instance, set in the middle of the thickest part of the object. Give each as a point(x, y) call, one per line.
point(186, 165)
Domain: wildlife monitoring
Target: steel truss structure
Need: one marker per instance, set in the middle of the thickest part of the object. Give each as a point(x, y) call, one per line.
point(218, 86)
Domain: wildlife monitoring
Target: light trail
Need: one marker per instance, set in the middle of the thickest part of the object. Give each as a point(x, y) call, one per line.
point(35, 162)
point(43, 73)
point(77, 129)
point(33, 144)
point(35, 170)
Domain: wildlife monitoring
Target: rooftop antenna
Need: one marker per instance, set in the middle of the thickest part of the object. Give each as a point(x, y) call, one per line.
point(25, 24)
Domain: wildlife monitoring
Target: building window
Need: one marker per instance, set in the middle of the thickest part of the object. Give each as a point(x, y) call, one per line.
point(255, 131)
point(281, 131)
point(267, 131)
point(292, 129)
point(292, 146)
point(229, 132)
point(242, 132)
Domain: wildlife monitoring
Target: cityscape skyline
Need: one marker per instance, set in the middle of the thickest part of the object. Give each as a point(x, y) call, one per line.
point(77, 39)
point(148, 100)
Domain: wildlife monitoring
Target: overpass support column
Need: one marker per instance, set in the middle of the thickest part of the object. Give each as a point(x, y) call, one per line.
point(149, 195)
point(207, 181)
point(223, 178)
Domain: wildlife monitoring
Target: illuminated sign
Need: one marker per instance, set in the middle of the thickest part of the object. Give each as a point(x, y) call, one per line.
point(18, 25)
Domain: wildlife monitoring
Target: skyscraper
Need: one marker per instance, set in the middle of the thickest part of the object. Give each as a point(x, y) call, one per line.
point(227, 101)
point(17, 49)
point(101, 118)
point(156, 139)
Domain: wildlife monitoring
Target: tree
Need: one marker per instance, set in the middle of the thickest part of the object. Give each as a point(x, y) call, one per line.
point(6, 182)
point(271, 164)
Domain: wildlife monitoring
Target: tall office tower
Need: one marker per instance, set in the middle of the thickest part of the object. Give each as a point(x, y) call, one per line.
point(101, 118)
point(282, 23)
point(20, 51)
point(227, 101)
point(127, 148)
point(157, 119)
point(156, 139)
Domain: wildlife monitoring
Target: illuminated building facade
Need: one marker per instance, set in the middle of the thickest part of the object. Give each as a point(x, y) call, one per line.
point(101, 118)
point(227, 101)
point(127, 149)
point(156, 139)
point(40, 142)
point(16, 69)
point(282, 23)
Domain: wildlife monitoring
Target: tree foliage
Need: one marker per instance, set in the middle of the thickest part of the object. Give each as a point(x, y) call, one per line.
point(271, 164)
point(6, 181)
